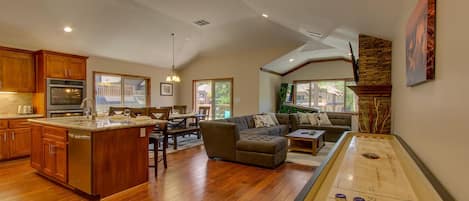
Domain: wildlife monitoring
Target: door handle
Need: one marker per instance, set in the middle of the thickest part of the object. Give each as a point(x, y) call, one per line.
point(13, 135)
point(5, 136)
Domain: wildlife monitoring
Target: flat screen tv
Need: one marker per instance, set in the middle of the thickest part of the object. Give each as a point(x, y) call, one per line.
point(356, 72)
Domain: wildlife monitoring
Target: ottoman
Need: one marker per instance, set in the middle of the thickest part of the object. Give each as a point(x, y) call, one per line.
point(261, 150)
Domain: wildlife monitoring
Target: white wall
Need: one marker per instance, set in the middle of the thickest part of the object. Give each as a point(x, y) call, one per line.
point(433, 117)
point(156, 75)
point(321, 70)
point(243, 66)
point(269, 88)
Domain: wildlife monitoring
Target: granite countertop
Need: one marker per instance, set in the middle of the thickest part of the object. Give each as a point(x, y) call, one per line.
point(100, 124)
point(20, 116)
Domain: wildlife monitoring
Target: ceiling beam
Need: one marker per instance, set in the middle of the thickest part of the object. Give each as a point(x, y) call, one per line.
point(315, 61)
point(270, 71)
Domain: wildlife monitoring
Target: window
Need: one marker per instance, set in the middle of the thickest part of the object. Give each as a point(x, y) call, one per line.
point(120, 90)
point(326, 95)
point(216, 94)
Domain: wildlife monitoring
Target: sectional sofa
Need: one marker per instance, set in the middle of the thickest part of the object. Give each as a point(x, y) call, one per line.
point(236, 139)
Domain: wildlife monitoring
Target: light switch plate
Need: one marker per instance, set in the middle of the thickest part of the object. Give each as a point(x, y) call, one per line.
point(143, 132)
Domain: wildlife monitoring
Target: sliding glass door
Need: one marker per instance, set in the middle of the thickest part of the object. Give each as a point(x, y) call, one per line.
point(217, 94)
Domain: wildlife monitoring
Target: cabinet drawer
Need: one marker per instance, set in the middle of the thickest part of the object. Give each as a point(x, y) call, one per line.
point(3, 124)
point(55, 133)
point(19, 123)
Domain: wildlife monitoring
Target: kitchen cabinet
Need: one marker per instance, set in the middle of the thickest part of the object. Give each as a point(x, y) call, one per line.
point(4, 152)
point(36, 148)
point(62, 66)
point(17, 70)
point(20, 142)
point(49, 151)
point(15, 137)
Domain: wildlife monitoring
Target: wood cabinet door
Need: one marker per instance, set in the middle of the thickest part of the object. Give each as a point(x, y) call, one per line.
point(56, 66)
point(36, 147)
point(77, 69)
point(20, 142)
point(48, 165)
point(17, 72)
point(4, 154)
point(60, 151)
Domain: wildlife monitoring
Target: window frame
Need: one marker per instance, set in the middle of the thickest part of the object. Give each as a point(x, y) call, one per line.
point(345, 80)
point(123, 76)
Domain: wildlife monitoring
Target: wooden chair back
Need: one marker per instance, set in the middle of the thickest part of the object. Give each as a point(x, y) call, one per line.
point(180, 109)
point(170, 108)
point(205, 110)
point(134, 112)
point(113, 110)
point(159, 113)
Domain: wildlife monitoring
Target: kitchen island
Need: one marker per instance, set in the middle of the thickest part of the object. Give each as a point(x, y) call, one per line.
point(96, 157)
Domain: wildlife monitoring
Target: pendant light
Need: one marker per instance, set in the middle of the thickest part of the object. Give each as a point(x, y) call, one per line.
point(173, 77)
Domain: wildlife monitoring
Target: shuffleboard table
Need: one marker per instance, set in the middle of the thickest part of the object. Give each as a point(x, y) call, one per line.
point(374, 167)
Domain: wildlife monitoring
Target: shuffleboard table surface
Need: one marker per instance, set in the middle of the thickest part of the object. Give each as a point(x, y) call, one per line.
point(373, 179)
point(376, 167)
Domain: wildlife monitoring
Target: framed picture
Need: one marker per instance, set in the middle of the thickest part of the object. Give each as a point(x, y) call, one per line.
point(166, 89)
point(420, 43)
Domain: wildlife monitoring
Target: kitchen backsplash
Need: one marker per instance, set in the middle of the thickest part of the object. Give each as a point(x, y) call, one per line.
point(9, 102)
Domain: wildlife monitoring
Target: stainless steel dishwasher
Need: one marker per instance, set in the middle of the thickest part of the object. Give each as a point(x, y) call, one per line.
point(79, 160)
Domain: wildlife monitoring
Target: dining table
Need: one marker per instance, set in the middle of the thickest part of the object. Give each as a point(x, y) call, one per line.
point(174, 117)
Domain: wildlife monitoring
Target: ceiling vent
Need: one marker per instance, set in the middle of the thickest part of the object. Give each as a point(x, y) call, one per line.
point(314, 34)
point(201, 22)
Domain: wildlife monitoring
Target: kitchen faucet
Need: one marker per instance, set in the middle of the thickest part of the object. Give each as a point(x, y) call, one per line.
point(89, 109)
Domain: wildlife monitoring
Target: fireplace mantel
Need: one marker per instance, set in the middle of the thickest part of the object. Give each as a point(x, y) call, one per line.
point(374, 90)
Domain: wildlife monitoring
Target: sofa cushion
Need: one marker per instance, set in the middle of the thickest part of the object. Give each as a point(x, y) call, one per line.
point(280, 130)
point(283, 118)
point(274, 131)
point(329, 128)
point(261, 143)
point(242, 122)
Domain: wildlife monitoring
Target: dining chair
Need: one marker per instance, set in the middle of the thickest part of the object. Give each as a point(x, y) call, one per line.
point(180, 109)
point(205, 110)
point(158, 135)
point(170, 108)
point(113, 110)
point(135, 112)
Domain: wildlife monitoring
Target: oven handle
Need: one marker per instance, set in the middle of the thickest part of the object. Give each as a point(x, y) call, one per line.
point(66, 86)
point(64, 111)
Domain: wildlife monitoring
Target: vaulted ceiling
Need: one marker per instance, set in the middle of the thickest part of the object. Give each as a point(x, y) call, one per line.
point(139, 30)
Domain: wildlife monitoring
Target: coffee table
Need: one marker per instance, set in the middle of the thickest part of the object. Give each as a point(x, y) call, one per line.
point(304, 140)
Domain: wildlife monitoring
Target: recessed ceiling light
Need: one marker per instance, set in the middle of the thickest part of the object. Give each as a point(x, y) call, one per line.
point(68, 29)
point(291, 60)
point(265, 15)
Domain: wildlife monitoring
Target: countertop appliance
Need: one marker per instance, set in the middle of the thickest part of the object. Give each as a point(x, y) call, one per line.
point(64, 97)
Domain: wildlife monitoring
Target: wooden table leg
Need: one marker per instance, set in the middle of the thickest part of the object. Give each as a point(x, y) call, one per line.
point(175, 142)
point(165, 145)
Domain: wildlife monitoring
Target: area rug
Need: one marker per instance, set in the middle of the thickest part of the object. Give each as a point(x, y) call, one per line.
point(184, 143)
point(307, 158)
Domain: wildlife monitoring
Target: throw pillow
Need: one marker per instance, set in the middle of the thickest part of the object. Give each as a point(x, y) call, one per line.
point(313, 119)
point(303, 118)
point(324, 119)
point(274, 118)
point(262, 121)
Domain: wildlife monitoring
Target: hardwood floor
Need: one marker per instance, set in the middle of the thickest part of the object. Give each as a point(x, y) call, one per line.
point(190, 176)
